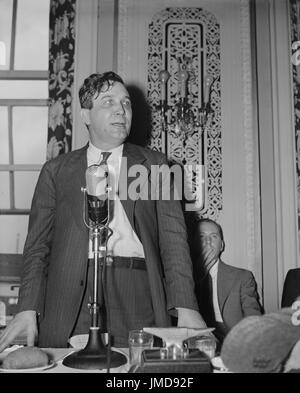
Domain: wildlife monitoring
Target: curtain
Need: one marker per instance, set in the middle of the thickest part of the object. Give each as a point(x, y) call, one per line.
point(295, 40)
point(61, 76)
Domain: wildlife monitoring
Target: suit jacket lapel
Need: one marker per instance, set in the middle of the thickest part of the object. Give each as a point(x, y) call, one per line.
point(75, 180)
point(132, 156)
point(225, 281)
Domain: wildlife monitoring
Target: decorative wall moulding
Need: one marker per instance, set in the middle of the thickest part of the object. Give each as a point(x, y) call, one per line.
point(185, 43)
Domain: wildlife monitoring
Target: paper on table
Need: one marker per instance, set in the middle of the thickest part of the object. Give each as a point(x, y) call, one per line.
point(80, 340)
point(175, 335)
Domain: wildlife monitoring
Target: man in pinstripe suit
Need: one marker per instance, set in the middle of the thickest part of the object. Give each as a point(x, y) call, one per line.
point(149, 275)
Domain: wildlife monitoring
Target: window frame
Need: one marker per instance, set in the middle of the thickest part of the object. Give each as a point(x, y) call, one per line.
point(11, 74)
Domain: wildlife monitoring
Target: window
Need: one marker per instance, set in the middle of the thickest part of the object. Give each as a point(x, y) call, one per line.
point(24, 47)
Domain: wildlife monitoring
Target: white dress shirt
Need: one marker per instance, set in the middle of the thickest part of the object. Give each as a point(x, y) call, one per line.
point(214, 275)
point(124, 241)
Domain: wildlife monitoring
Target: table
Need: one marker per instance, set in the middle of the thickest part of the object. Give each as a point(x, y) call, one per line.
point(58, 354)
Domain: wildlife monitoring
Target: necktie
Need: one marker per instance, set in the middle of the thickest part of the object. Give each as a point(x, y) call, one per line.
point(103, 161)
point(105, 155)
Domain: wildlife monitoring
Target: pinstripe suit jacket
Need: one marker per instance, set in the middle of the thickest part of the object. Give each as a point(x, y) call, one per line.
point(56, 247)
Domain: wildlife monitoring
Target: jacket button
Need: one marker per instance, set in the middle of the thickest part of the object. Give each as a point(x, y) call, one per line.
point(81, 283)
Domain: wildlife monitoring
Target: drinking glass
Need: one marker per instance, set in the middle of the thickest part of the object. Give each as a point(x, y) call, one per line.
point(205, 344)
point(138, 341)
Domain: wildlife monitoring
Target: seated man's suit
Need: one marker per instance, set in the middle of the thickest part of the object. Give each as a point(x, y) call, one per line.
point(237, 298)
point(291, 287)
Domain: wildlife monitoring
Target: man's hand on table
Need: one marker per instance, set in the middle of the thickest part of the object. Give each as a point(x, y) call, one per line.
point(192, 319)
point(24, 323)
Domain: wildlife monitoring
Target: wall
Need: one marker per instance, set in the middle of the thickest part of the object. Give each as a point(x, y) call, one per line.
point(277, 148)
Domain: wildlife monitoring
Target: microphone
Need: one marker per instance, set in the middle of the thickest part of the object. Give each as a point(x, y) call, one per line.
point(95, 356)
point(97, 193)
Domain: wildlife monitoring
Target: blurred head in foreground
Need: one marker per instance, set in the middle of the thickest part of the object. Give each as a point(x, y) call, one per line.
point(260, 344)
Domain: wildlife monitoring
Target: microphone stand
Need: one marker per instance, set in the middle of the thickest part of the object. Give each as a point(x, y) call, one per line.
point(95, 356)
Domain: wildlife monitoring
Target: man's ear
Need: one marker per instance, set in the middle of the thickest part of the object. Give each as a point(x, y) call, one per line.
point(85, 115)
point(223, 246)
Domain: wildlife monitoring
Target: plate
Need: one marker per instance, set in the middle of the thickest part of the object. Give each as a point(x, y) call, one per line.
point(27, 370)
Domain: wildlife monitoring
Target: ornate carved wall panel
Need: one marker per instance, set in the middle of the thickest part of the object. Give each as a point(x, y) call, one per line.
point(193, 33)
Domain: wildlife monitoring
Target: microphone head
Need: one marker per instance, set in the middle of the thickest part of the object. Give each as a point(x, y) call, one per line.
point(100, 209)
point(96, 180)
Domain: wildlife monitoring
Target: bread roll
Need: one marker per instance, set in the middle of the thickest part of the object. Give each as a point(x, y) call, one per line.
point(26, 357)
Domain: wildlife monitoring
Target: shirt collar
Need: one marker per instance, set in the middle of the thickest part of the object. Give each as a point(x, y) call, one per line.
point(95, 153)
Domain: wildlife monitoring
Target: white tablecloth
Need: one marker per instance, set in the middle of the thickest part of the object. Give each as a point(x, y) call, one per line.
point(58, 354)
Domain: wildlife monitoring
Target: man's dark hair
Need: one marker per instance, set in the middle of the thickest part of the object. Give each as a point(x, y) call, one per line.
point(200, 220)
point(94, 85)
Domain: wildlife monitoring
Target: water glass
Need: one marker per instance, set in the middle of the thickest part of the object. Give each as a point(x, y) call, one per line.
point(138, 341)
point(206, 344)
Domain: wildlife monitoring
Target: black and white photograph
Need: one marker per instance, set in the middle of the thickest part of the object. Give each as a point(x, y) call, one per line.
point(150, 189)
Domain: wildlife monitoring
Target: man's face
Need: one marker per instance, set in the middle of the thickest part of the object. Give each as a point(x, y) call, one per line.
point(109, 120)
point(208, 242)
